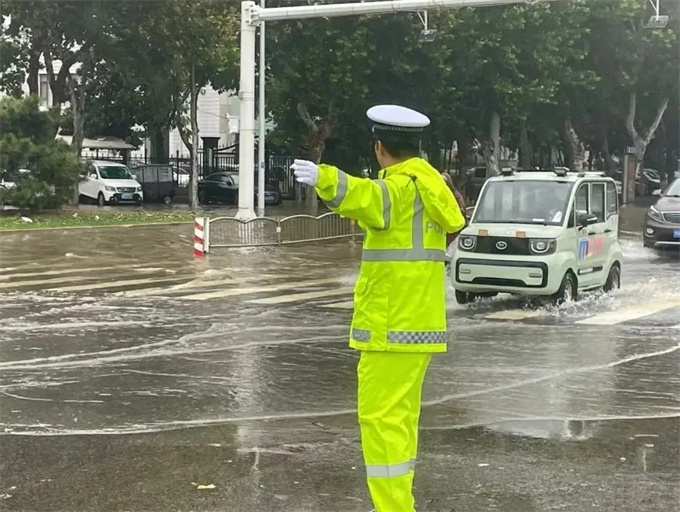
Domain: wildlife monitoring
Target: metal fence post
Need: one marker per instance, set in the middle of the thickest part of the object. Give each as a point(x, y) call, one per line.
point(206, 243)
point(278, 232)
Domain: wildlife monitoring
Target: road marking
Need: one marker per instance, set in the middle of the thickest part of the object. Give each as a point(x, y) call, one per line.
point(258, 289)
point(339, 305)
point(676, 326)
point(198, 283)
point(70, 270)
point(630, 313)
point(294, 297)
point(68, 279)
point(512, 314)
point(116, 284)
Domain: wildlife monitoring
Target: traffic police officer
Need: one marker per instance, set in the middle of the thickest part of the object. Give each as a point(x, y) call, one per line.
point(399, 316)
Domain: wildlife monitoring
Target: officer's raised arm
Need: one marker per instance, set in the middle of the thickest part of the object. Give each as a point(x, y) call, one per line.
point(361, 199)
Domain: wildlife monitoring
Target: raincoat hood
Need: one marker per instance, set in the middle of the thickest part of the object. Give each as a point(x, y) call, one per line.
point(438, 201)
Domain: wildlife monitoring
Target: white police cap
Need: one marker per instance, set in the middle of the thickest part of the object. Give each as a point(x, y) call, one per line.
point(397, 118)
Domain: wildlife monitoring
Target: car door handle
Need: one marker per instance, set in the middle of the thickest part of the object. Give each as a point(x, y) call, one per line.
point(607, 230)
point(590, 233)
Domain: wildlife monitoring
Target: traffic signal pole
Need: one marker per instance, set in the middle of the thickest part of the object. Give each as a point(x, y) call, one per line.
point(252, 15)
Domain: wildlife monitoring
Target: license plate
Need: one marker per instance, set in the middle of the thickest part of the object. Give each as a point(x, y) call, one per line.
point(126, 197)
point(676, 233)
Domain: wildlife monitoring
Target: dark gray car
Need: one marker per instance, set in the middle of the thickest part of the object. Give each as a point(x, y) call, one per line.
point(662, 222)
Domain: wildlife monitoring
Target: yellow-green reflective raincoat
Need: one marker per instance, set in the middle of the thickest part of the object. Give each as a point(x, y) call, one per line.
point(399, 297)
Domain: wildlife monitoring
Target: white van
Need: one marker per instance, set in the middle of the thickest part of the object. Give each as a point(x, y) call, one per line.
point(110, 183)
point(540, 233)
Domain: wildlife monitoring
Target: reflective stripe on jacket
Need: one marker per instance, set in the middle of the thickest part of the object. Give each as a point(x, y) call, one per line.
point(399, 296)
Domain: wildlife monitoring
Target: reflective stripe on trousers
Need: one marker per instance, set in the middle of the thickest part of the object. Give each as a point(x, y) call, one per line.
point(416, 337)
point(390, 470)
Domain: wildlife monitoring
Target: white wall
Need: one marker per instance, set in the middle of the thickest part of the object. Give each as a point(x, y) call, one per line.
point(214, 120)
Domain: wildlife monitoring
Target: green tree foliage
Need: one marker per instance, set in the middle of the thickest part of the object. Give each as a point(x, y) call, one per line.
point(151, 87)
point(27, 143)
point(540, 79)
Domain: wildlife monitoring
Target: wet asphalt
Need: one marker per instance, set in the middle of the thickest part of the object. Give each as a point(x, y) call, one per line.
point(131, 373)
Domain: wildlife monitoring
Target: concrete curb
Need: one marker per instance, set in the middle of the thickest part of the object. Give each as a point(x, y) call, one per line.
point(56, 228)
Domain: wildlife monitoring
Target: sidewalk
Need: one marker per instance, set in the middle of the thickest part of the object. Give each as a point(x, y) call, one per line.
point(632, 216)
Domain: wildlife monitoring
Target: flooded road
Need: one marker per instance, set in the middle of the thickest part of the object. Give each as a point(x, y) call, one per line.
point(130, 372)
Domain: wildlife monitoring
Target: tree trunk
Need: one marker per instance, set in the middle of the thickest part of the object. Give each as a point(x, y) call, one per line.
point(58, 88)
point(157, 145)
point(463, 156)
point(316, 149)
point(642, 141)
point(33, 73)
point(574, 151)
point(491, 147)
point(78, 95)
point(317, 135)
point(525, 149)
point(193, 180)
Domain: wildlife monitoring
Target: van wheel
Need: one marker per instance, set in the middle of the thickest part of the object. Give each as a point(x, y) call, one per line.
point(464, 297)
point(167, 200)
point(568, 290)
point(100, 200)
point(613, 279)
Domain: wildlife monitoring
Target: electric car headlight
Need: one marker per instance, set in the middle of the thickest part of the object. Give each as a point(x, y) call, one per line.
point(467, 242)
point(542, 245)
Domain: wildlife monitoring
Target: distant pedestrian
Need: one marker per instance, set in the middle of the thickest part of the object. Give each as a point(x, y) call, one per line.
point(399, 298)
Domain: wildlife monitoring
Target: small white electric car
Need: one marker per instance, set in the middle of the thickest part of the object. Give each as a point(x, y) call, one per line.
point(540, 233)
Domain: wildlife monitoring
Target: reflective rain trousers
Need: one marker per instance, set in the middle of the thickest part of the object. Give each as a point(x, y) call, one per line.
point(389, 396)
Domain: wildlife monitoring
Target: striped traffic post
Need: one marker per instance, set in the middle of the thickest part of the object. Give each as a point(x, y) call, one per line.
point(199, 237)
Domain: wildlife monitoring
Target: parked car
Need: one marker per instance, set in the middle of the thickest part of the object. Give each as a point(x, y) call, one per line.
point(222, 187)
point(647, 181)
point(662, 223)
point(540, 233)
point(8, 180)
point(182, 176)
point(219, 187)
point(3, 205)
point(110, 183)
point(475, 178)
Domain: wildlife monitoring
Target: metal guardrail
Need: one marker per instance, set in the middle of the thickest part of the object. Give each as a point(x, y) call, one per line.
point(224, 232)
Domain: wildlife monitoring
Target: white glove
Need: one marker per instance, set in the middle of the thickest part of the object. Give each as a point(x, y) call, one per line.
point(306, 172)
